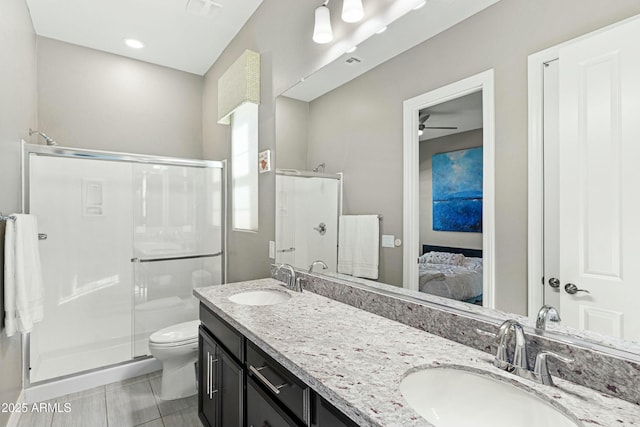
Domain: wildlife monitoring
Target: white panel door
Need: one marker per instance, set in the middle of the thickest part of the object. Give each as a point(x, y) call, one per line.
point(599, 178)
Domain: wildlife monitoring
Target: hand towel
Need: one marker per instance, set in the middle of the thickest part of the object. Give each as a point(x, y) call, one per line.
point(23, 288)
point(359, 245)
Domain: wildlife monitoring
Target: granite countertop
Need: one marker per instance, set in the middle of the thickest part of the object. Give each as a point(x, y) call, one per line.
point(356, 360)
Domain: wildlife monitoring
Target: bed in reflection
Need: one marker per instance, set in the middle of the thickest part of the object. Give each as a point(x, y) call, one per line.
point(451, 273)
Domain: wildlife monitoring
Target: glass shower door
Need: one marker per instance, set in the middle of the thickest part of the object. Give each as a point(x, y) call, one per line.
point(177, 244)
point(84, 207)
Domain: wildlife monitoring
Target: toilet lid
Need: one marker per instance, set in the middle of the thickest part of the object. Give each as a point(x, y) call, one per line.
point(187, 331)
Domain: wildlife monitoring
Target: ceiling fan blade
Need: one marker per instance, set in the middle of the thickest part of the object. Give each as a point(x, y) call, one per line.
point(440, 127)
point(423, 118)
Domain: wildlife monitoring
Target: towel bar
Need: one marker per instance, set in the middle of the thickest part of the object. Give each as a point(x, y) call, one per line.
point(7, 218)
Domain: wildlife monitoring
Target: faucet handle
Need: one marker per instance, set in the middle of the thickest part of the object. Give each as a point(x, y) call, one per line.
point(485, 333)
point(541, 369)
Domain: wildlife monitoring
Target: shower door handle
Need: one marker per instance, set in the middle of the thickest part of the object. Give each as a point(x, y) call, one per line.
point(286, 250)
point(175, 258)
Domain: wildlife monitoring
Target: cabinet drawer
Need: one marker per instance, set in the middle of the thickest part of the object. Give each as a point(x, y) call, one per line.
point(326, 415)
point(225, 334)
point(278, 382)
point(262, 411)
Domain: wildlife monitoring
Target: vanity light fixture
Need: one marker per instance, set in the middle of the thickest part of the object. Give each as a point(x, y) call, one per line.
point(352, 11)
point(134, 43)
point(322, 32)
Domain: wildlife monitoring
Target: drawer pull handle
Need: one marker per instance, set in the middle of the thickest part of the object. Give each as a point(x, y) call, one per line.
point(275, 389)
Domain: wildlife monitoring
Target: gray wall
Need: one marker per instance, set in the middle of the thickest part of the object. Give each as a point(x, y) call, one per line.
point(357, 128)
point(92, 99)
point(292, 127)
point(17, 113)
point(287, 54)
point(428, 148)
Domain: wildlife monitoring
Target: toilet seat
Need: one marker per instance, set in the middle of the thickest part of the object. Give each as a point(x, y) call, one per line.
point(182, 334)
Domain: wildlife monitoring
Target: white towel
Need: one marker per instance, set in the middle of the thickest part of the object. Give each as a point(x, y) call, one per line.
point(359, 245)
point(23, 290)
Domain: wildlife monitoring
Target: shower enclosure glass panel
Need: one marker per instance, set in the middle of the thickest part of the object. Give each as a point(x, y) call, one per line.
point(127, 241)
point(85, 208)
point(307, 220)
point(177, 244)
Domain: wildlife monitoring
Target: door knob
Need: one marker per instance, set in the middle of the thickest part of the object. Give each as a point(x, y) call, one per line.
point(570, 288)
point(554, 283)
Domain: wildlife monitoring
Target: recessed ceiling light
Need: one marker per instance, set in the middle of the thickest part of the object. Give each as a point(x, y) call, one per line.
point(381, 30)
point(421, 5)
point(134, 43)
point(353, 49)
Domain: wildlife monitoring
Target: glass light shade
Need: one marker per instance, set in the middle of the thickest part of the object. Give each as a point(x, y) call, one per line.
point(322, 32)
point(352, 10)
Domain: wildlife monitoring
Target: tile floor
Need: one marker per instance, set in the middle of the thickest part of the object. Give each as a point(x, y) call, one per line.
point(130, 403)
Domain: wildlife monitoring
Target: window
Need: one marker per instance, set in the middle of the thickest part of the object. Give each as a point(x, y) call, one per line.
point(244, 167)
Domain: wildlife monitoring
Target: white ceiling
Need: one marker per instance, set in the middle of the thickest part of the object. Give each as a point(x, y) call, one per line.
point(173, 37)
point(406, 28)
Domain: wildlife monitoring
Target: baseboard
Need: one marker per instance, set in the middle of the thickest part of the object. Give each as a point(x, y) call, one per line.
point(15, 416)
point(85, 381)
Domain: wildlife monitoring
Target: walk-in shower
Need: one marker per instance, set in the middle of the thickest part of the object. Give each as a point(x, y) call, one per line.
point(308, 204)
point(127, 239)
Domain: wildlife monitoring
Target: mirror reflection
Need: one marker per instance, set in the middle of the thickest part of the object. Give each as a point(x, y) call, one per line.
point(356, 130)
point(450, 205)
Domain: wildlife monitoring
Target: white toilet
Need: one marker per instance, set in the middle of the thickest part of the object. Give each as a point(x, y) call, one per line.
point(176, 347)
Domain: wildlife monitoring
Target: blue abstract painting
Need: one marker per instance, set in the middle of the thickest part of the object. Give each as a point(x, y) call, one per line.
point(457, 190)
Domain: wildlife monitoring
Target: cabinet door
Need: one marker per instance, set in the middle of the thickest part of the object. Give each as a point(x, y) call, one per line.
point(326, 415)
point(208, 394)
point(262, 411)
point(231, 391)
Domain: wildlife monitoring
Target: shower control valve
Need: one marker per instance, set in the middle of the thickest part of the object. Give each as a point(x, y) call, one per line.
point(321, 228)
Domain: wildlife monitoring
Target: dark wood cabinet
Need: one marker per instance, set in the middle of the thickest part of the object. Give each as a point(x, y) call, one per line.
point(220, 385)
point(326, 415)
point(239, 385)
point(263, 412)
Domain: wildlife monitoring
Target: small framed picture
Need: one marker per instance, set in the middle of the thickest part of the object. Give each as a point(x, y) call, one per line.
point(264, 161)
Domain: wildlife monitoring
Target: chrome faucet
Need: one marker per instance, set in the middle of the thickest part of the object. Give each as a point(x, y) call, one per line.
point(519, 364)
point(293, 282)
point(546, 313)
point(520, 351)
point(313, 264)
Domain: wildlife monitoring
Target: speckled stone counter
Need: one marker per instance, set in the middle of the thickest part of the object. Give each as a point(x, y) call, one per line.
point(356, 359)
point(615, 374)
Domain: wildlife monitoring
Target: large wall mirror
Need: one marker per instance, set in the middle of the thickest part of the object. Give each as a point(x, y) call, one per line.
point(339, 148)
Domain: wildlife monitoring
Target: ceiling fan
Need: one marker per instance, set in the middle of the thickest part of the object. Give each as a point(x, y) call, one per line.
point(423, 119)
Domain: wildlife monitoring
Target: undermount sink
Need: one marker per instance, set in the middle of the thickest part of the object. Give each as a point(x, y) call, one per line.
point(260, 297)
point(449, 397)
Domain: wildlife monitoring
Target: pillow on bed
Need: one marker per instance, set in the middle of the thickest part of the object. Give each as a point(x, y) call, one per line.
point(442, 258)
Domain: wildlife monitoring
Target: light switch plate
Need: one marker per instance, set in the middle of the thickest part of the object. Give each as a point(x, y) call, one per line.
point(388, 240)
point(272, 249)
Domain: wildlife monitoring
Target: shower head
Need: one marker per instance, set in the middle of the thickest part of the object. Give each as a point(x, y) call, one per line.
point(319, 168)
point(47, 139)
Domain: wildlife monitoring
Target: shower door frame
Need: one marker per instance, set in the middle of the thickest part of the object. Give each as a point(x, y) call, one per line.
point(87, 154)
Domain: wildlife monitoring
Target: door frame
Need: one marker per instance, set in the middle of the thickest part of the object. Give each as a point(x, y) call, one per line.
point(484, 82)
point(535, 233)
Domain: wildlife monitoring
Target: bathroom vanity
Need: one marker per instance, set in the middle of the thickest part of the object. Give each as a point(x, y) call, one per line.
point(239, 381)
point(308, 360)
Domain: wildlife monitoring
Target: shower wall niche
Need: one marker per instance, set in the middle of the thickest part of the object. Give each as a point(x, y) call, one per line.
point(127, 239)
